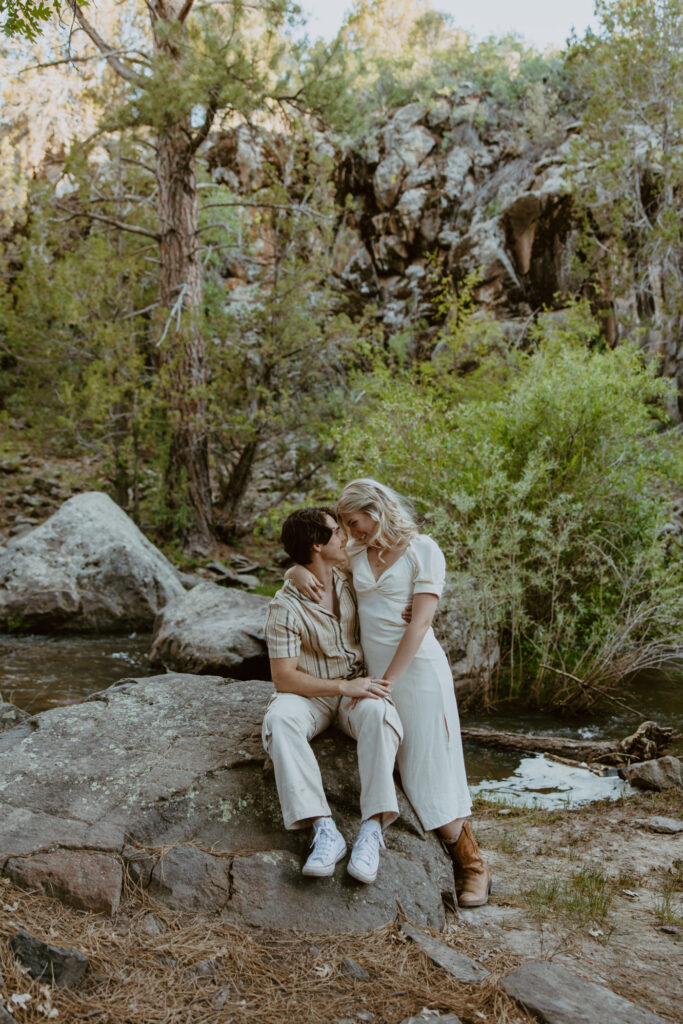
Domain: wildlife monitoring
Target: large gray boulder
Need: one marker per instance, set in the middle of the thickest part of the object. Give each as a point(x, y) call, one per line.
point(212, 629)
point(87, 567)
point(473, 654)
point(556, 995)
point(657, 774)
point(167, 777)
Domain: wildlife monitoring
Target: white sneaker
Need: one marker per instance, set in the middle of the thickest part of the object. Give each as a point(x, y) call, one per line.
point(328, 848)
point(364, 861)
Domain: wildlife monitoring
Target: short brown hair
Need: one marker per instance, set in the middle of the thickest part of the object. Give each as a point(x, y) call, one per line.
point(304, 528)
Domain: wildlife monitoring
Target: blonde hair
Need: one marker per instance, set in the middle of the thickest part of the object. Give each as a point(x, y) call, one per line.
point(395, 522)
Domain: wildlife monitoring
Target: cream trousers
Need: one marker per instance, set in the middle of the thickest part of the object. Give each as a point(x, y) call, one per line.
point(290, 723)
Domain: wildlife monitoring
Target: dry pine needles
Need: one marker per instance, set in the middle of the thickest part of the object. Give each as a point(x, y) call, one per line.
point(151, 965)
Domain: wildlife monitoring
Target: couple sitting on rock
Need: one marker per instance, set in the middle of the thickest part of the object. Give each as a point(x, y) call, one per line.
point(342, 611)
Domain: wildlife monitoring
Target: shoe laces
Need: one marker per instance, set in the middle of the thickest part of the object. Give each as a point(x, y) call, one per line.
point(365, 847)
point(323, 841)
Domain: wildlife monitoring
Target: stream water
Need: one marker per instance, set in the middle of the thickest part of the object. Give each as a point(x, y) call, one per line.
point(40, 672)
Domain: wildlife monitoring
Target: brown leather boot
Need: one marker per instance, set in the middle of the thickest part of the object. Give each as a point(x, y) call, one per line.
point(472, 876)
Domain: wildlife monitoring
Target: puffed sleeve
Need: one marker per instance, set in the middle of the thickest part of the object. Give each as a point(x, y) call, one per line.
point(431, 566)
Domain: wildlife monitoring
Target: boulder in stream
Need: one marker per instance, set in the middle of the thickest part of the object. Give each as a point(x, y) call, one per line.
point(167, 776)
point(661, 773)
point(87, 567)
point(212, 629)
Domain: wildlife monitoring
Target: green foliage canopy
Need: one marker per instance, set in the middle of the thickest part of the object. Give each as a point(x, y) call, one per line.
point(26, 17)
point(550, 498)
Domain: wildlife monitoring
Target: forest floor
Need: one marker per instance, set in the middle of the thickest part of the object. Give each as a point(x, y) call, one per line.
point(33, 486)
point(592, 888)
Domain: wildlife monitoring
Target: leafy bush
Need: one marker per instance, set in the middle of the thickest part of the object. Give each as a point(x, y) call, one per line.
point(551, 496)
point(399, 51)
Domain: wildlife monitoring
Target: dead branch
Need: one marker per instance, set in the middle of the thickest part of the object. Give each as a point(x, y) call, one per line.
point(645, 743)
point(603, 693)
point(108, 51)
point(81, 60)
point(133, 228)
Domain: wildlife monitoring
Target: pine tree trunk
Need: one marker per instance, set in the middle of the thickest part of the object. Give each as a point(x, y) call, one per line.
point(178, 339)
point(234, 489)
point(181, 352)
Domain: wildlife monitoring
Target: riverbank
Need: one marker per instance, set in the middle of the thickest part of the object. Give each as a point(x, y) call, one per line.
point(593, 889)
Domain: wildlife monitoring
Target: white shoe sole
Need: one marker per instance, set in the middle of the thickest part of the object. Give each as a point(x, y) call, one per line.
point(324, 870)
point(359, 875)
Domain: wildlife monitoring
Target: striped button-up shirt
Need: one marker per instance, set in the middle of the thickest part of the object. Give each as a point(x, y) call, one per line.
point(327, 647)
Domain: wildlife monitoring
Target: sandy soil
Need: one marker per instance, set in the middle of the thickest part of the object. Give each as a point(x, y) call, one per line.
point(593, 888)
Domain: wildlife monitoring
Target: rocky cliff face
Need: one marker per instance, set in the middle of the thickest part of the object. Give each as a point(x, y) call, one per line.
point(451, 179)
point(455, 181)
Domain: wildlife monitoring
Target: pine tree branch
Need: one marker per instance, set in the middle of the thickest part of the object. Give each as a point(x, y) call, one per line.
point(151, 7)
point(139, 312)
point(137, 163)
point(203, 132)
point(81, 60)
point(126, 197)
point(108, 51)
point(288, 208)
point(185, 10)
point(133, 228)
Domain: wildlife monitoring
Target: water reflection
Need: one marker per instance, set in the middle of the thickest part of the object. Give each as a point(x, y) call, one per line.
point(41, 672)
point(539, 782)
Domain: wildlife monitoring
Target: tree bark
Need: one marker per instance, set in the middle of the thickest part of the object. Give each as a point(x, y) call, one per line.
point(179, 342)
point(181, 345)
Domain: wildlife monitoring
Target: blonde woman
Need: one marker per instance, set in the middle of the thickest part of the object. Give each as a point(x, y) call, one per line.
point(394, 565)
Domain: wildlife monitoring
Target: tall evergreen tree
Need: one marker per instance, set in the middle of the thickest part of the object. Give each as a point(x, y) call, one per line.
point(190, 65)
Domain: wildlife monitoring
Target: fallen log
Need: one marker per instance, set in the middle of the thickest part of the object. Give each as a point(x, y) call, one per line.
point(643, 745)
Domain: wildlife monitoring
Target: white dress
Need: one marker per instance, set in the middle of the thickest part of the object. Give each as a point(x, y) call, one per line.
point(430, 758)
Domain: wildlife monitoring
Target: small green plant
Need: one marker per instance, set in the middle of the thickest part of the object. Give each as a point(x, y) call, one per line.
point(593, 894)
point(666, 911)
point(628, 879)
point(544, 897)
point(506, 842)
point(583, 898)
point(668, 908)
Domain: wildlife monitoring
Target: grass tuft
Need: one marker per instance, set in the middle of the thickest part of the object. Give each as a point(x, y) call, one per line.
point(583, 898)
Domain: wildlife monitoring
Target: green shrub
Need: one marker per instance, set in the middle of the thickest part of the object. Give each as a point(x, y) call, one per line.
point(550, 493)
